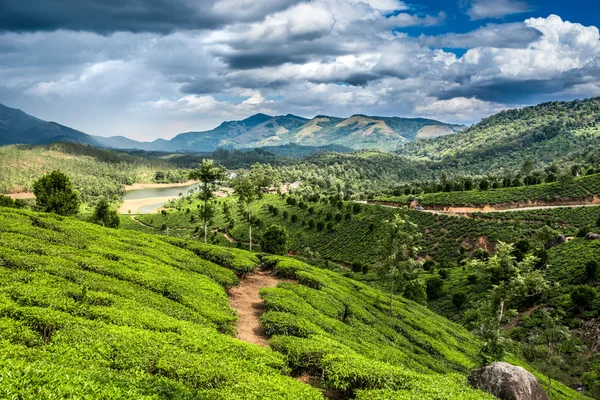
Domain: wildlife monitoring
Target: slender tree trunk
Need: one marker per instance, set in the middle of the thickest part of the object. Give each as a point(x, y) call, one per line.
point(392, 298)
point(500, 314)
point(205, 231)
point(250, 226)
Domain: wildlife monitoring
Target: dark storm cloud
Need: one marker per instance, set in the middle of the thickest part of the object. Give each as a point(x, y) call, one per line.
point(351, 79)
point(107, 16)
point(512, 36)
point(509, 91)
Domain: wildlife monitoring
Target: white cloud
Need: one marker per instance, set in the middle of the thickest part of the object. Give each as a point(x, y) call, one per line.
point(458, 109)
point(482, 9)
point(336, 57)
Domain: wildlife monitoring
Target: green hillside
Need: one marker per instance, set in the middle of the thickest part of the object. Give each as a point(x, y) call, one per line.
point(94, 172)
point(579, 189)
point(88, 312)
point(547, 132)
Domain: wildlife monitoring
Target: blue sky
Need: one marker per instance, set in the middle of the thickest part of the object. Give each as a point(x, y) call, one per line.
point(149, 69)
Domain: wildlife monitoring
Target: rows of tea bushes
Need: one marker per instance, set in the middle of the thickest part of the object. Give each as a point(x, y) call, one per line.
point(340, 329)
point(581, 188)
point(89, 312)
point(569, 217)
point(354, 237)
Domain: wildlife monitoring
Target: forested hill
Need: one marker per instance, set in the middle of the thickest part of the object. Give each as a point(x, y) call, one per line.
point(547, 132)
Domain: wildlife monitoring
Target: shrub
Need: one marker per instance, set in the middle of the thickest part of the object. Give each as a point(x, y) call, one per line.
point(459, 299)
point(274, 240)
point(591, 270)
point(320, 225)
point(444, 273)
point(294, 218)
point(472, 278)
point(583, 296)
point(415, 291)
point(434, 287)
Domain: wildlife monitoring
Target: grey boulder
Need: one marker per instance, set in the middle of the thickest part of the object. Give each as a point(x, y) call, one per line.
point(507, 382)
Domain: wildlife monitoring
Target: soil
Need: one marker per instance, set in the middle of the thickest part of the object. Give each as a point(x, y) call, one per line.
point(22, 195)
point(136, 186)
point(246, 301)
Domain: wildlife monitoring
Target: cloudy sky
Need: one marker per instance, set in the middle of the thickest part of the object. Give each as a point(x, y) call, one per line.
point(154, 68)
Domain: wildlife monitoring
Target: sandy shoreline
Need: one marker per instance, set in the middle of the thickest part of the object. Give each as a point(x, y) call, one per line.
point(137, 186)
point(135, 205)
point(22, 195)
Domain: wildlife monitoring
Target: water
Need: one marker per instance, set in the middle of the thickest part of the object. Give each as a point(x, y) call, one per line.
point(140, 194)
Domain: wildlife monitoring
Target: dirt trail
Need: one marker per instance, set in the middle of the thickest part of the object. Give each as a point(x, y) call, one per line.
point(246, 301)
point(465, 211)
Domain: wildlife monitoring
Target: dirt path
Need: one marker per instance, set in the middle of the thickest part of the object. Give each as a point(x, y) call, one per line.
point(246, 301)
point(464, 211)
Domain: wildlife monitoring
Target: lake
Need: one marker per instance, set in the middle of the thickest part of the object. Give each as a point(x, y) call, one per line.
point(150, 199)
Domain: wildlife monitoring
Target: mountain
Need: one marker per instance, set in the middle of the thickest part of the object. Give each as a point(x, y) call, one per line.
point(19, 127)
point(260, 130)
point(357, 132)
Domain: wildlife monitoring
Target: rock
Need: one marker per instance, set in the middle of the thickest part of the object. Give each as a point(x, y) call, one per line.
point(507, 382)
point(592, 236)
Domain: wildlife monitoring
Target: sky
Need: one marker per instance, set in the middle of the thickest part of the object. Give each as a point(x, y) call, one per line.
point(155, 68)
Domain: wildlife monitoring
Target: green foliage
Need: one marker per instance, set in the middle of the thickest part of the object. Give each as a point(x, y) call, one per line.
point(88, 312)
point(94, 172)
point(583, 296)
point(54, 193)
point(274, 240)
point(104, 215)
point(434, 287)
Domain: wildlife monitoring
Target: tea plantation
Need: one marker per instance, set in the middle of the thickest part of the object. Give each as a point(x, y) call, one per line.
point(581, 188)
point(88, 312)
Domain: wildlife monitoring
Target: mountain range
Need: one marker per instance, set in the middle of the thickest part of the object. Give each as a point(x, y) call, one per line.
point(260, 130)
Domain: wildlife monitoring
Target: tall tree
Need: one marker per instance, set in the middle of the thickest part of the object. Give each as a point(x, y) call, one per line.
point(210, 176)
point(104, 215)
point(54, 193)
point(399, 259)
point(251, 185)
point(510, 279)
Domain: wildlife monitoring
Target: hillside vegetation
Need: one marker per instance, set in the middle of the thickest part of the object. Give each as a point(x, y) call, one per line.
point(547, 132)
point(578, 190)
point(91, 312)
point(94, 172)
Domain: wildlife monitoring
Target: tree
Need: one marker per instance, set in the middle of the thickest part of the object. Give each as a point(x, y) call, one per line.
point(54, 193)
point(415, 290)
point(527, 166)
point(434, 287)
point(459, 299)
point(591, 270)
point(547, 236)
point(274, 240)
point(250, 185)
point(398, 261)
point(510, 279)
point(104, 215)
point(209, 176)
point(484, 184)
point(583, 296)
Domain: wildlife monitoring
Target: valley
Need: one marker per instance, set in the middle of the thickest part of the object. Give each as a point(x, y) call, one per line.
point(218, 274)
